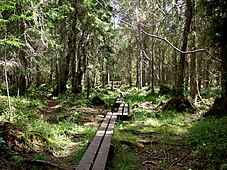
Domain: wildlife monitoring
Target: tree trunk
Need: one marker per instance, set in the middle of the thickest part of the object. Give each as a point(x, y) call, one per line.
point(143, 72)
point(7, 84)
point(163, 77)
point(224, 70)
point(207, 73)
point(179, 102)
point(181, 71)
point(81, 64)
point(129, 64)
point(139, 59)
point(193, 72)
point(103, 72)
point(62, 75)
point(159, 66)
point(152, 66)
point(175, 67)
point(219, 107)
point(77, 83)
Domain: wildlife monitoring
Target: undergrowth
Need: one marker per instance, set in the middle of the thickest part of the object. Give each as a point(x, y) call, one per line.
point(61, 134)
point(209, 138)
point(65, 134)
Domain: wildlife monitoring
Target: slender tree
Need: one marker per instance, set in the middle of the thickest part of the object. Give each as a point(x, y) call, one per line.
point(187, 26)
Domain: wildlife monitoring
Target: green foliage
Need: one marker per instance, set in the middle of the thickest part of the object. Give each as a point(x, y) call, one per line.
point(71, 99)
point(125, 160)
point(39, 156)
point(211, 92)
point(110, 97)
point(140, 96)
point(215, 11)
point(209, 136)
point(3, 108)
point(7, 153)
point(123, 155)
point(11, 41)
point(141, 114)
point(39, 133)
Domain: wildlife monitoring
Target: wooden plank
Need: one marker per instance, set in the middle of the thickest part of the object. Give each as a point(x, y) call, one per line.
point(115, 114)
point(89, 156)
point(101, 159)
point(119, 100)
point(120, 109)
point(126, 110)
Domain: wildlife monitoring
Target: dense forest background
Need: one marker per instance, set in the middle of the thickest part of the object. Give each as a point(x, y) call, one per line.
point(74, 45)
point(72, 48)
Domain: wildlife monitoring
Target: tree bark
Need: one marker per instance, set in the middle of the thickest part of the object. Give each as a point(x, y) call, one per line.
point(181, 71)
point(81, 64)
point(62, 76)
point(139, 58)
point(129, 64)
point(193, 72)
point(152, 66)
point(163, 77)
point(207, 73)
point(7, 85)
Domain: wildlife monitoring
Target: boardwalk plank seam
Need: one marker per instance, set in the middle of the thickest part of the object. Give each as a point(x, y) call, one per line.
point(96, 155)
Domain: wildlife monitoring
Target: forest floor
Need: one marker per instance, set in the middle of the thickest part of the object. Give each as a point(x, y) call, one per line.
point(152, 150)
point(158, 143)
point(54, 133)
point(46, 159)
point(160, 148)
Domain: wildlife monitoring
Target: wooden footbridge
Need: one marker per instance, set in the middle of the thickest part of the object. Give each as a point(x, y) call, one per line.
point(97, 153)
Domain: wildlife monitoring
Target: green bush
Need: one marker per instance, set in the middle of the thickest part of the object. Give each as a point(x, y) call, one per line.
point(139, 97)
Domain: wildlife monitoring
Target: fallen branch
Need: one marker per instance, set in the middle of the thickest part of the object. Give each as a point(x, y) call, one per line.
point(179, 160)
point(139, 153)
point(149, 162)
point(45, 163)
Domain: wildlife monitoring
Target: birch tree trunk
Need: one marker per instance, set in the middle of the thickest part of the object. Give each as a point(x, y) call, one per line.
point(7, 85)
point(139, 58)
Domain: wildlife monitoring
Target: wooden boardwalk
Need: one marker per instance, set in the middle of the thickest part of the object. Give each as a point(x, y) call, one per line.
point(97, 153)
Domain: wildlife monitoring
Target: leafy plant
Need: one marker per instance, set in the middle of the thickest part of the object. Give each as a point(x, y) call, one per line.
point(39, 156)
point(139, 97)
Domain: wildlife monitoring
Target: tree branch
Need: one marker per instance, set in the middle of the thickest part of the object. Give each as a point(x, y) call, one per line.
point(177, 49)
point(165, 40)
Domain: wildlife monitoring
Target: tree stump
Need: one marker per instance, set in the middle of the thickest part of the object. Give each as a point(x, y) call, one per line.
point(97, 101)
point(179, 103)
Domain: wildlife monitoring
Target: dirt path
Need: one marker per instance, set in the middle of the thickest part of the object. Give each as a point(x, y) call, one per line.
point(167, 156)
point(53, 107)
